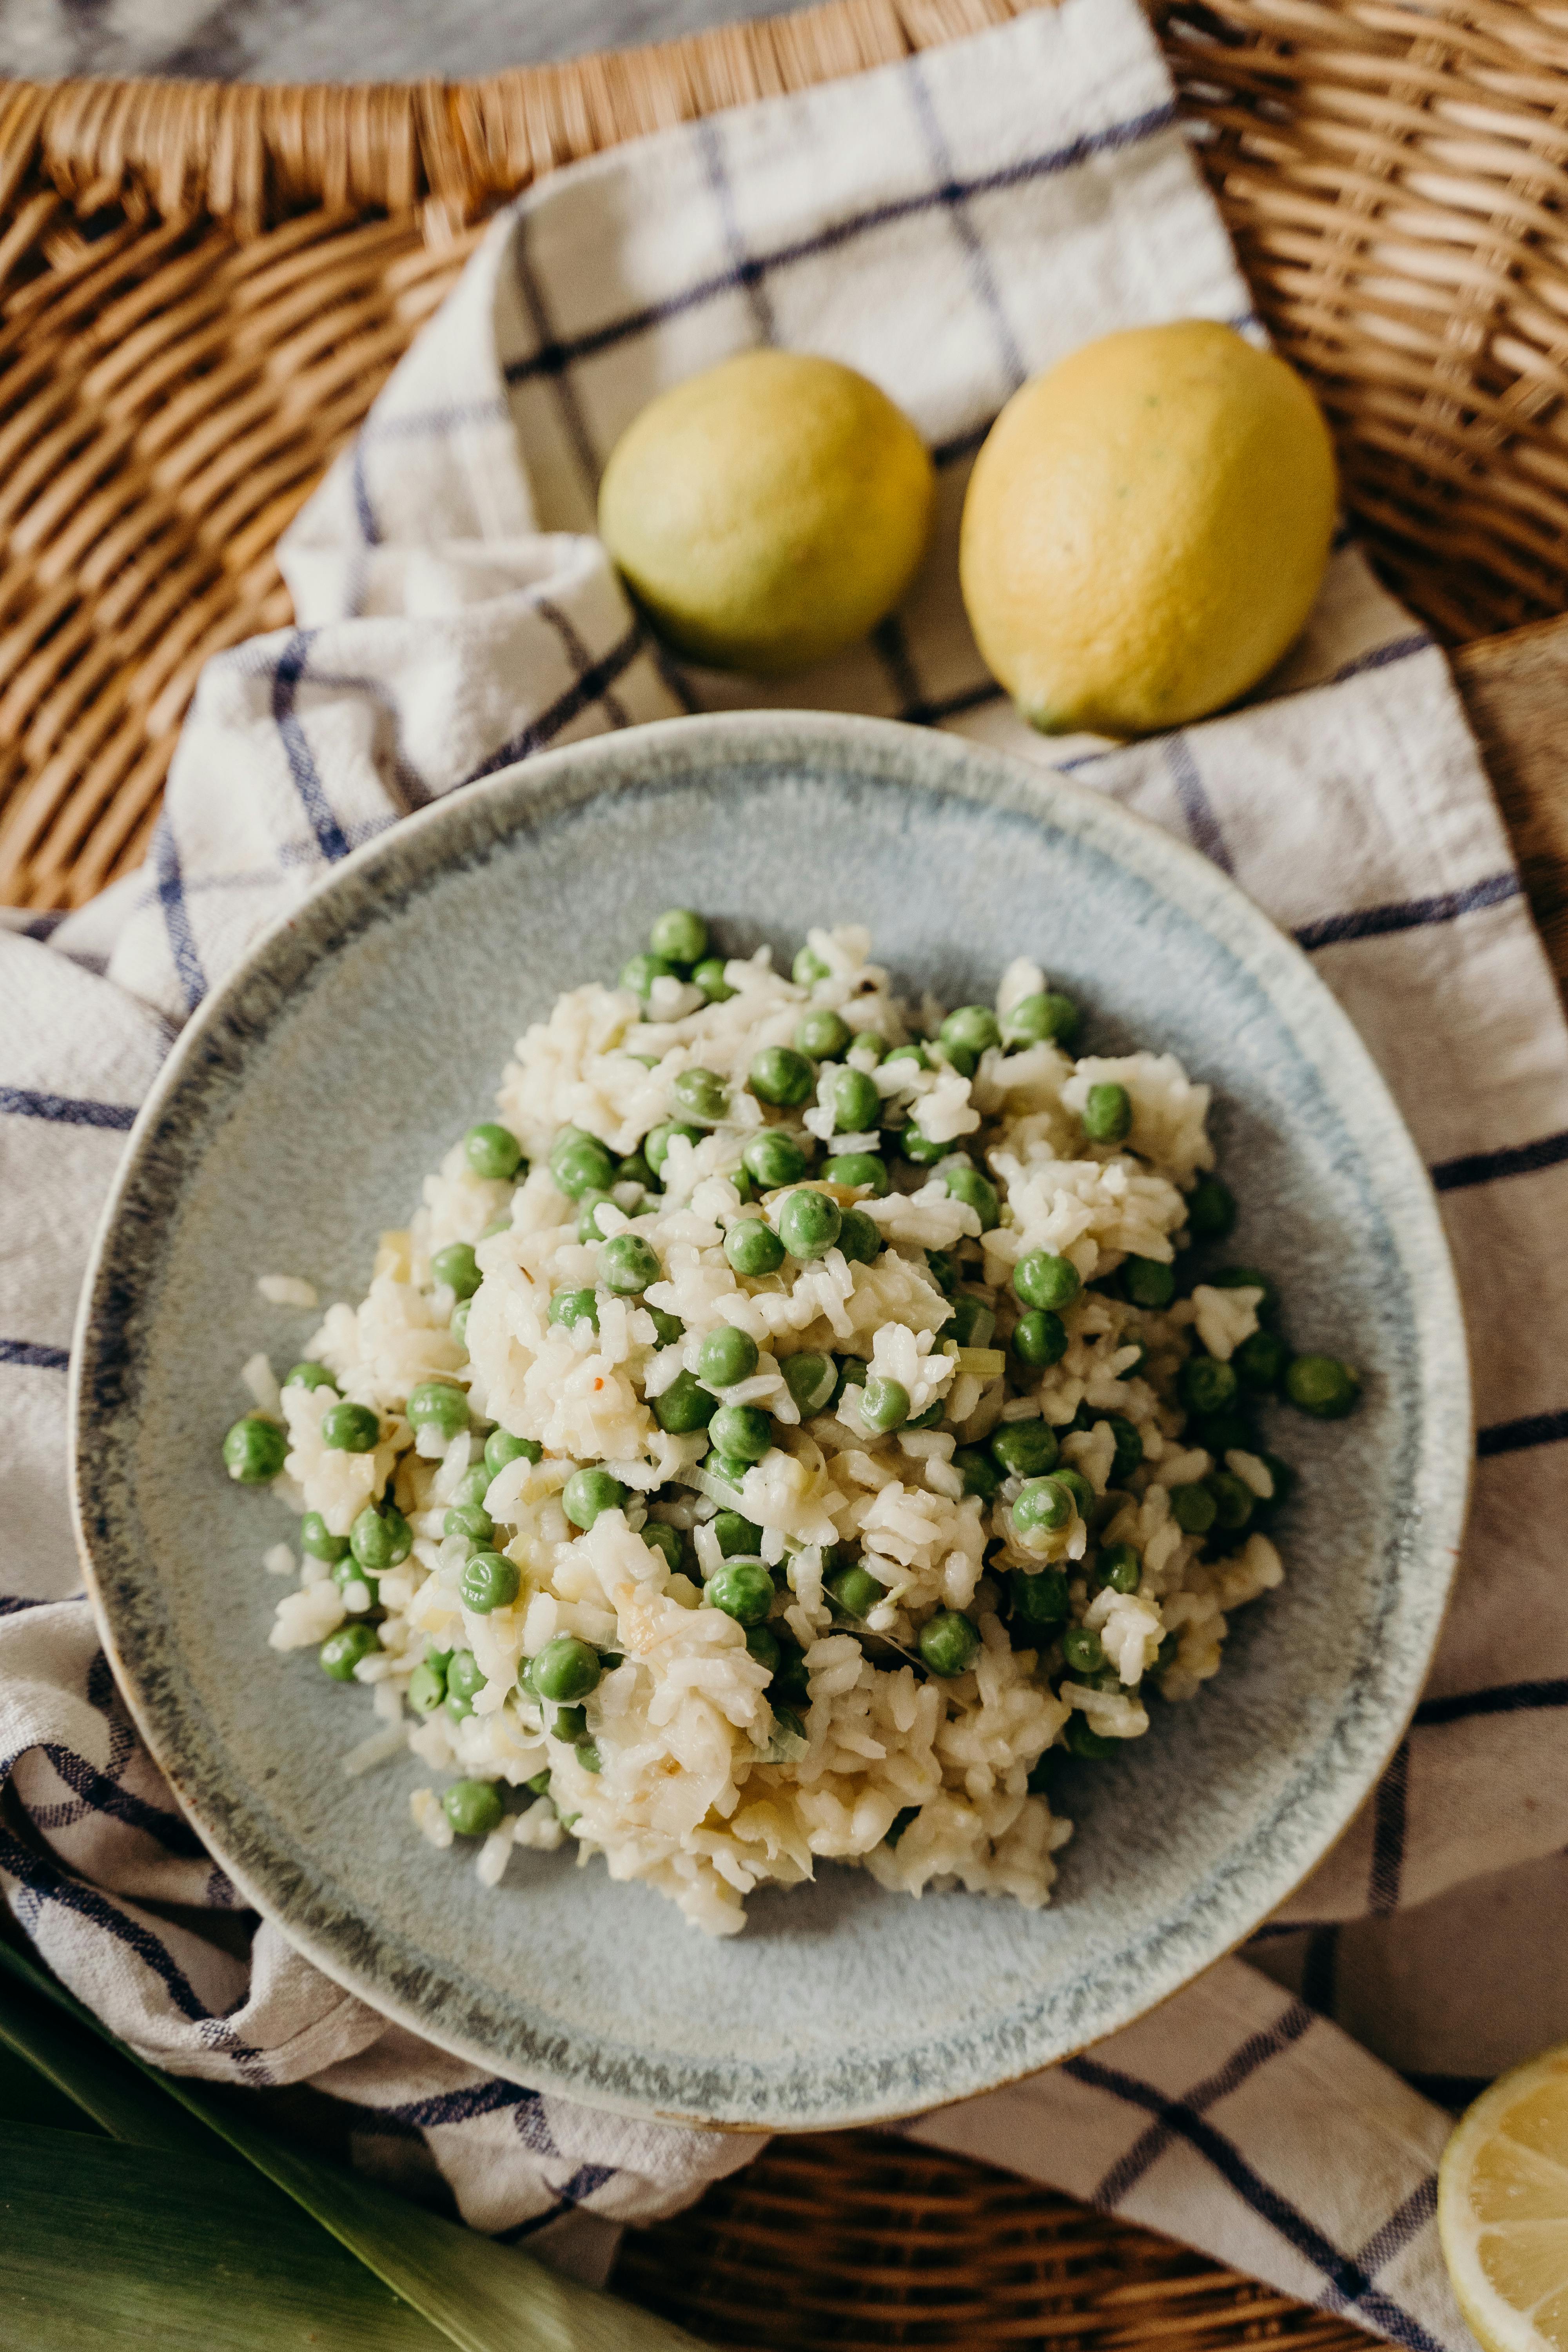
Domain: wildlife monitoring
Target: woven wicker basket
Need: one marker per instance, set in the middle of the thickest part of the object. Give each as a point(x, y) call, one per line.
point(203, 288)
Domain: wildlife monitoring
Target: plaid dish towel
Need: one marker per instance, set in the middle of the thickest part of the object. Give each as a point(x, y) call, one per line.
point(949, 226)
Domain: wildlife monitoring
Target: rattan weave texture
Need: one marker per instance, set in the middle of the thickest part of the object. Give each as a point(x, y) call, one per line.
point(202, 286)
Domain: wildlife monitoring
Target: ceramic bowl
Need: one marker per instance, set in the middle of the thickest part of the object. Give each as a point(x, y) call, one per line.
point(293, 1121)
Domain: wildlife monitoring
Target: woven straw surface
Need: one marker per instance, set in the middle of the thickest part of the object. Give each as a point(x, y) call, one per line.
point(202, 287)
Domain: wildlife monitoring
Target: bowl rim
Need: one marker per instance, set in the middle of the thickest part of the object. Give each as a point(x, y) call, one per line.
point(449, 832)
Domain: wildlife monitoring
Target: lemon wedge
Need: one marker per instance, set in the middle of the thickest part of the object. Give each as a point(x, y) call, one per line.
point(1502, 2209)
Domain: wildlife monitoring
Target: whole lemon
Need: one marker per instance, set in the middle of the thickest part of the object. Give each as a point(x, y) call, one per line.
point(768, 512)
point(1146, 527)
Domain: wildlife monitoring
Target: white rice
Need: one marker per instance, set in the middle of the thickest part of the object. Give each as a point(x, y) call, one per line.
point(705, 1787)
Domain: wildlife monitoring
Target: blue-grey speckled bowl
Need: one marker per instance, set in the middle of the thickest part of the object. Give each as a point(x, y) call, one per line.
point(294, 1120)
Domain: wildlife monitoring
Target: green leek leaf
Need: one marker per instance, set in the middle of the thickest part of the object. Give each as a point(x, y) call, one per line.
point(482, 2296)
point(113, 2246)
point(95, 2079)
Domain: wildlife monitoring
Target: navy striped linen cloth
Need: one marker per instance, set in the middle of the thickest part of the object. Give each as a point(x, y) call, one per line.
point(949, 224)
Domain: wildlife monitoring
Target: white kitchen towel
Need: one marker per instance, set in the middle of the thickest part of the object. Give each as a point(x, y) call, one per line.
point(949, 224)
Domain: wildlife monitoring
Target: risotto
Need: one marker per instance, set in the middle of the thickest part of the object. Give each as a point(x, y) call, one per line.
point(785, 1430)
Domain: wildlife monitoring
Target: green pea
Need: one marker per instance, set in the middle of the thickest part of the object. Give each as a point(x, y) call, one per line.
point(741, 1178)
point(1233, 1501)
point(948, 1643)
point(856, 1105)
point(381, 1539)
point(1218, 1433)
point(853, 1373)
point(1194, 1508)
point(435, 1404)
point(726, 1356)
point(587, 1754)
point(775, 1158)
point(977, 1192)
point(809, 1224)
point(655, 1143)
point(791, 1680)
point(710, 978)
point(1205, 1385)
point(569, 1724)
point(639, 973)
point(309, 1376)
point(971, 1324)
point(1039, 1596)
point(254, 1449)
point(822, 1033)
point(1129, 1450)
point(860, 1167)
point(566, 1669)
point(1146, 1283)
point(587, 1493)
point(915, 1053)
point(1261, 1362)
point(679, 935)
point(701, 1096)
point(668, 1541)
point(965, 1034)
point(1247, 1277)
point(471, 1520)
point(943, 1270)
point(1084, 1651)
point(1033, 1020)
point(634, 1169)
point(1083, 1495)
point(861, 1237)
point(579, 1164)
point(667, 1329)
point(627, 1264)
point(933, 1417)
point(1042, 1505)
point(753, 1247)
point(472, 1488)
point(1120, 1567)
point(1091, 1745)
point(808, 968)
point(458, 1326)
point(1211, 1210)
point(781, 1076)
point(979, 1473)
point(315, 1538)
point(1322, 1386)
point(1025, 1449)
point(855, 1590)
point(919, 1148)
point(743, 1432)
point(743, 1589)
point(1039, 1338)
point(340, 1653)
point(456, 1268)
point(1107, 1113)
point(501, 1225)
point(870, 1041)
point(1284, 1478)
point(811, 1380)
point(465, 1678)
point(492, 1150)
point(490, 1582)
point(1043, 1279)
point(500, 1445)
point(473, 1807)
point(352, 1429)
point(427, 1687)
point(884, 1404)
point(738, 1537)
point(588, 1226)
point(764, 1647)
point(684, 1406)
point(349, 1576)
